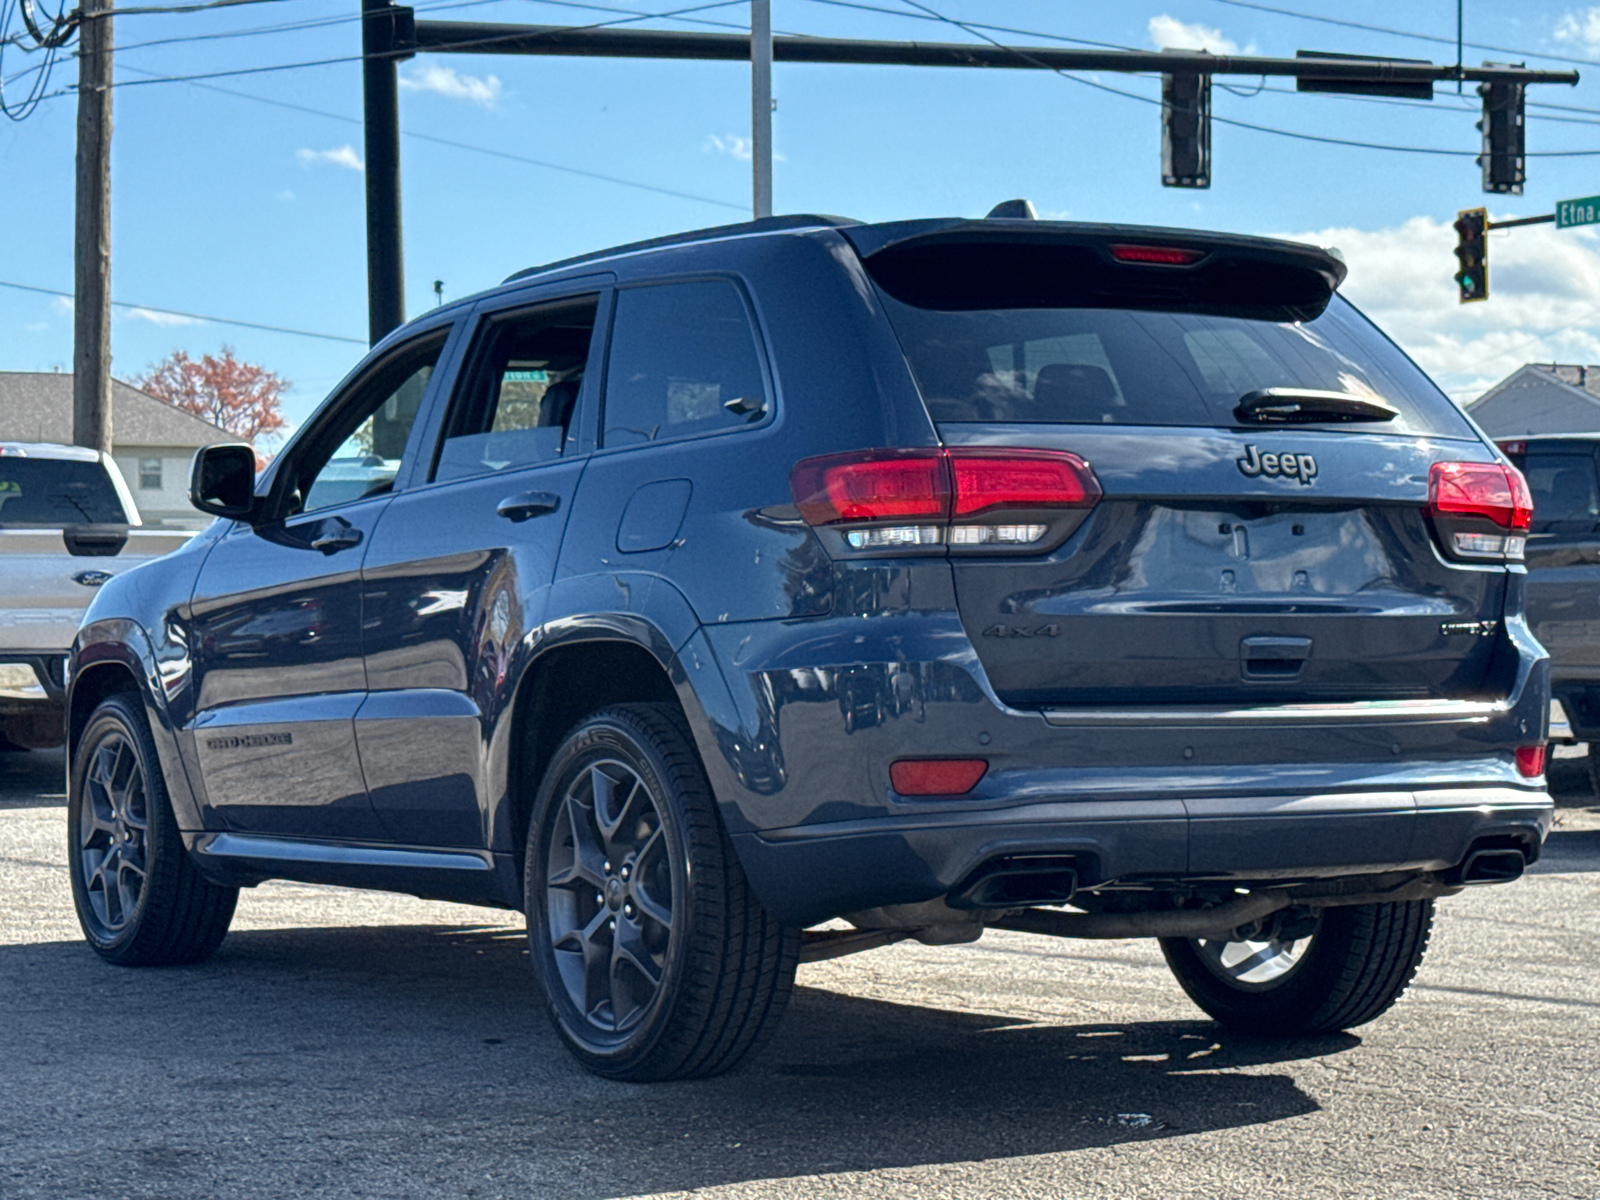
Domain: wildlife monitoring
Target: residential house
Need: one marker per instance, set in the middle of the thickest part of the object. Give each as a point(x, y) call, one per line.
point(153, 442)
point(1541, 398)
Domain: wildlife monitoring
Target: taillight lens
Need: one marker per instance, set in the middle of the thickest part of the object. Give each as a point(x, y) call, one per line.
point(978, 499)
point(1492, 492)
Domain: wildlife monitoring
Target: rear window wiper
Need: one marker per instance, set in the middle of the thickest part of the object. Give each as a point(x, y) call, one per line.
point(1281, 405)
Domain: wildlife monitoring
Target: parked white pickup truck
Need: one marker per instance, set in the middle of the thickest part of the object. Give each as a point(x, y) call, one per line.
point(67, 524)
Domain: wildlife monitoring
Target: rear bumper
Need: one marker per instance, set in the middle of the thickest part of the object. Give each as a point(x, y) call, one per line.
point(810, 873)
point(802, 720)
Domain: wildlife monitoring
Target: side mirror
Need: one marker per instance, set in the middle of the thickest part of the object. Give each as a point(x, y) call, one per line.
point(222, 482)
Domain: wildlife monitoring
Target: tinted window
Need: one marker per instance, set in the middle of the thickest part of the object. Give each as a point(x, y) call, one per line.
point(516, 401)
point(1565, 496)
point(357, 454)
point(683, 362)
point(57, 492)
point(1102, 366)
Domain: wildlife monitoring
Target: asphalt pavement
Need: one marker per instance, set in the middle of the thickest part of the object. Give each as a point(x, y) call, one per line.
point(347, 1044)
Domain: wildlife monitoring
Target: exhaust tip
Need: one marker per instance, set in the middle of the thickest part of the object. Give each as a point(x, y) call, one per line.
point(1492, 866)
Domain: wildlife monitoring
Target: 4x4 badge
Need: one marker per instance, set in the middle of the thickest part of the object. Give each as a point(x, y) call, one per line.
point(1285, 466)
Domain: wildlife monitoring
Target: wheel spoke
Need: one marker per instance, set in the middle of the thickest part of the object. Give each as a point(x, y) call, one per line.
point(635, 975)
point(576, 854)
point(619, 822)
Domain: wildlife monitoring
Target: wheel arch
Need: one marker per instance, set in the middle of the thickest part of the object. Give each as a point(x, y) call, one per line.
point(564, 683)
point(114, 657)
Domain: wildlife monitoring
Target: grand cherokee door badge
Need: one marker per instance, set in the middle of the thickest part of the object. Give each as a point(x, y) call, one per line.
point(1278, 466)
point(1475, 628)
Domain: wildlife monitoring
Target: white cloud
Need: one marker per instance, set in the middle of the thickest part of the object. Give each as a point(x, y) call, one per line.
point(1581, 25)
point(734, 146)
point(340, 156)
point(160, 318)
point(446, 81)
point(36, 327)
point(1169, 33)
point(1543, 306)
point(62, 304)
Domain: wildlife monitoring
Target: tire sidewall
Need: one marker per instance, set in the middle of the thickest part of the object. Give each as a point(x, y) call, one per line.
point(602, 737)
point(116, 715)
point(1297, 996)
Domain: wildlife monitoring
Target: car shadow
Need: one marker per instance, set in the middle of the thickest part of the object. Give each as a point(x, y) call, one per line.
point(1569, 851)
point(391, 1039)
point(1570, 786)
point(32, 779)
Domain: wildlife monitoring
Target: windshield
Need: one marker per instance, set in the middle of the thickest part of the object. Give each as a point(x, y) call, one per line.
point(55, 492)
point(1113, 366)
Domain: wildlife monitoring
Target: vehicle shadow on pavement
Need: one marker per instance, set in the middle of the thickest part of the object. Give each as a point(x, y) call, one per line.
point(1569, 851)
point(418, 1059)
point(32, 779)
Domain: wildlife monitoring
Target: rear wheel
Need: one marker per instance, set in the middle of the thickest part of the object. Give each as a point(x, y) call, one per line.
point(655, 959)
point(1593, 760)
point(1303, 973)
point(140, 900)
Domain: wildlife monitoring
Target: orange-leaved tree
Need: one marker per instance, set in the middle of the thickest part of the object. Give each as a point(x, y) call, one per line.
point(237, 396)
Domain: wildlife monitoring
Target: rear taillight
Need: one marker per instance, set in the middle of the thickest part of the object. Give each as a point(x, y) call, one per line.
point(1482, 510)
point(982, 499)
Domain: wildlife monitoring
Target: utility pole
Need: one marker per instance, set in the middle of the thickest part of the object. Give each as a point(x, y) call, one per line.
point(761, 104)
point(383, 28)
point(91, 312)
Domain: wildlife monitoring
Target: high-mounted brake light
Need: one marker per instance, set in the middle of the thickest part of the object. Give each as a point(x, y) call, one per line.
point(1163, 256)
point(1493, 492)
point(967, 499)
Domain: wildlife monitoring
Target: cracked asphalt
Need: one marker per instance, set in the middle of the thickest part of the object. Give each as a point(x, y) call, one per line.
point(347, 1044)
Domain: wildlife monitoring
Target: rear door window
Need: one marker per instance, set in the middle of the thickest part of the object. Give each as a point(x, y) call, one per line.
point(683, 363)
point(1566, 498)
point(1100, 366)
point(515, 405)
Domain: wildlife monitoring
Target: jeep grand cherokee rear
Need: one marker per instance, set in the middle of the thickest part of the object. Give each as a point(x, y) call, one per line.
point(911, 579)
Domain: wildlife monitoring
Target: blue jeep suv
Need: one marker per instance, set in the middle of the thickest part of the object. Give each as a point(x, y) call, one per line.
point(906, 579)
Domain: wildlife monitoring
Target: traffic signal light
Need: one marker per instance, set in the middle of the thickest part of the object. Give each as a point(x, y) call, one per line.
point(1505, 168)
point(1186, 130)
point(1472, 248)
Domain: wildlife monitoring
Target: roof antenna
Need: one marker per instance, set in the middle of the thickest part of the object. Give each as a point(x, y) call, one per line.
point(1016, 210)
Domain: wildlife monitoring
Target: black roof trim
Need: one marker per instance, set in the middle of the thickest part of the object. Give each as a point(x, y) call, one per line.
point(764, 225)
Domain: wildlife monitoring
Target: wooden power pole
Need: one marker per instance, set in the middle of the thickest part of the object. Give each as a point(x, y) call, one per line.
point(91, 315)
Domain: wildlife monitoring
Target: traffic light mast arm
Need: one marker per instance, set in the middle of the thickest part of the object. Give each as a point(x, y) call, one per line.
point(1544, 220)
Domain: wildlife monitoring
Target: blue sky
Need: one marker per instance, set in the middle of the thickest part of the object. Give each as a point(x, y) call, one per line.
point(225, 203)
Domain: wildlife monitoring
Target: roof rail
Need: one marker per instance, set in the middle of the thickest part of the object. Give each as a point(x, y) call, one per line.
point(764, 225)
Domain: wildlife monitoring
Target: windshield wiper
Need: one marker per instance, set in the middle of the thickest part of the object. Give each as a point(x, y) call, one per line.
point(1283, 405)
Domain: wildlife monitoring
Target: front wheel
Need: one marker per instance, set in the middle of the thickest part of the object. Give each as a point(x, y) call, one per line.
point(655, 959)
point(1305, 973)
point(140, 901)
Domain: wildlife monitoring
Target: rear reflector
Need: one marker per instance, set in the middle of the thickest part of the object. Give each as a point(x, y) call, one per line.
point(1165, 256)
point(939, 776)
point(1530, 761)
point(1490, 490)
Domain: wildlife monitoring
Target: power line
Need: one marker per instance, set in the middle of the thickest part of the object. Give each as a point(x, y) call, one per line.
point(490, 151)
point(173, 312)
point(1405, 33)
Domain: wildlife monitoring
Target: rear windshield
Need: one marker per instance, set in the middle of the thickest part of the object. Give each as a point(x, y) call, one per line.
point(1566, 494)
point(56, 492)
point(1105, 366)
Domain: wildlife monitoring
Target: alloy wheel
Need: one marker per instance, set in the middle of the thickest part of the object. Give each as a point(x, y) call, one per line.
point(609, 895)
point(113, 833)
point(1261, 960)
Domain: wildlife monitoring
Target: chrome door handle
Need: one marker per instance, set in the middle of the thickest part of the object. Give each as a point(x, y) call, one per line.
point(529, 504)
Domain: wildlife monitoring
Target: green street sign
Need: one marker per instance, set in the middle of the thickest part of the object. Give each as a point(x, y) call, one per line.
point(1578, 212)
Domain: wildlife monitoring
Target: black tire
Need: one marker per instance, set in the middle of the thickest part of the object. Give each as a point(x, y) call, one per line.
point(141, 902)
point(674, 905)
point(1593, 761)
point(1356, 962)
